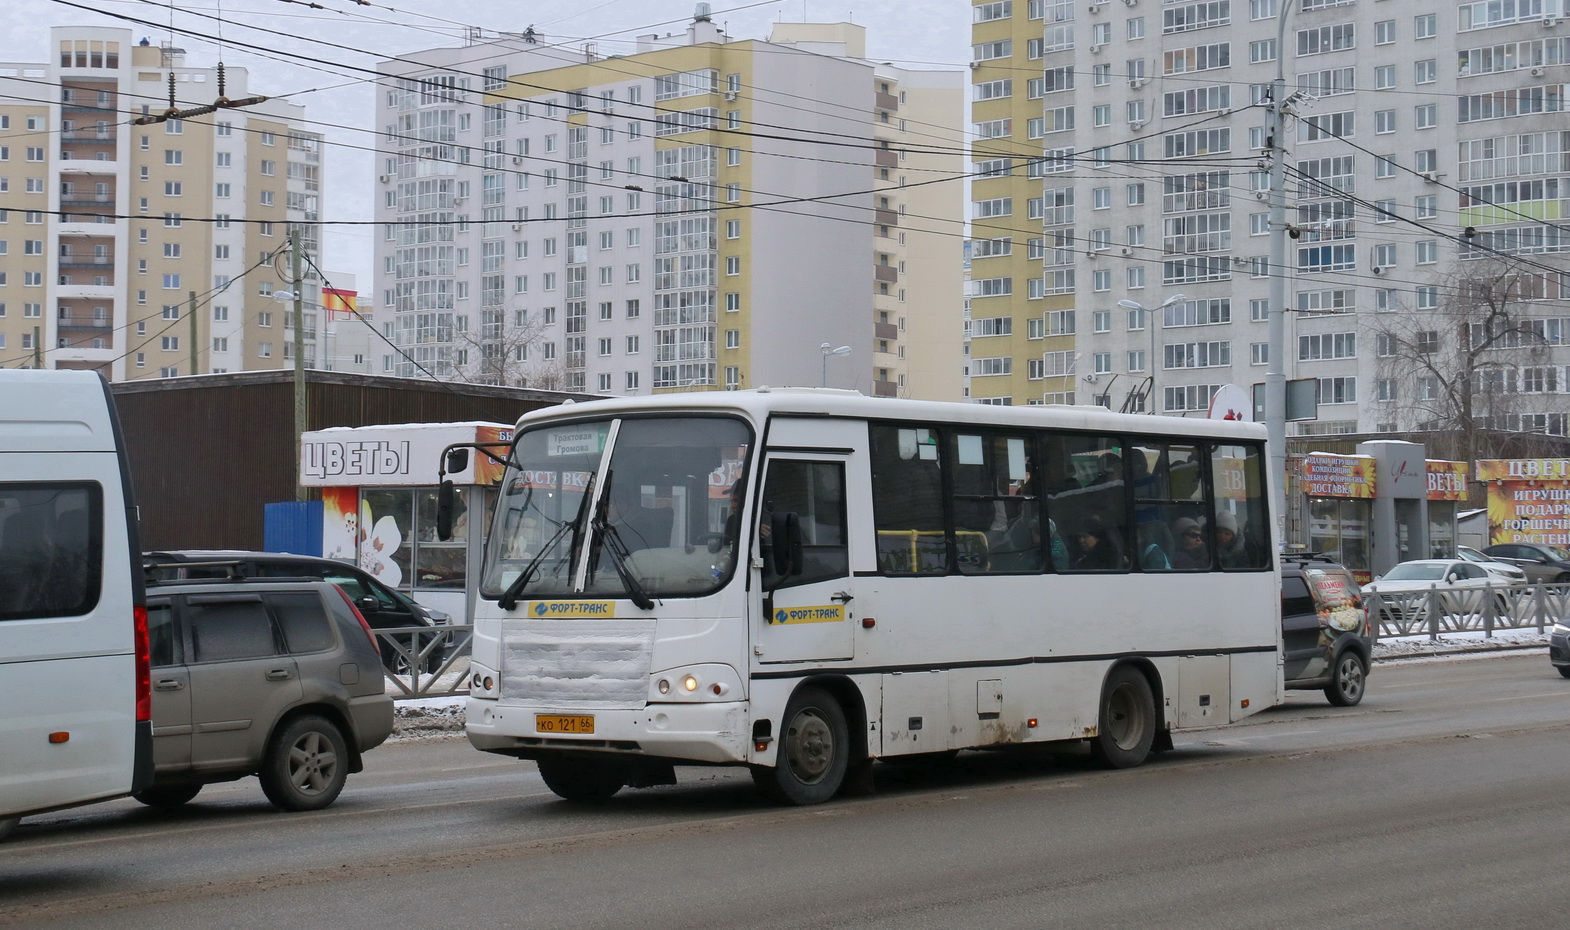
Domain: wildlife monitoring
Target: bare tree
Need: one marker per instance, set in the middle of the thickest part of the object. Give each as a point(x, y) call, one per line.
point(1463, 368)
point(506, 354)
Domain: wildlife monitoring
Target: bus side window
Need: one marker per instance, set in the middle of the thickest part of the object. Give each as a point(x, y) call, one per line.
point(1087, 504)
point(907, 501)
point(1242, 533)
point(815, 492)
point(996, 514)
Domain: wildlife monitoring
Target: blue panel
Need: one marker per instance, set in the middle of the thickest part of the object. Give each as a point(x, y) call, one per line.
point(293, 526)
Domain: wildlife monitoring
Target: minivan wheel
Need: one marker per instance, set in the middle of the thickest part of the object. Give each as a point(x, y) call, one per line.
point(306, 765)
point(1348, 681)
point(167, 796)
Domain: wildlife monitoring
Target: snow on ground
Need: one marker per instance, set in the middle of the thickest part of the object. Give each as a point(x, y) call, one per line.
point(439, 717)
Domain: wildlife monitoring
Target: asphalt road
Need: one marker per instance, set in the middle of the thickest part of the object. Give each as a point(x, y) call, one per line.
point(1440, 802)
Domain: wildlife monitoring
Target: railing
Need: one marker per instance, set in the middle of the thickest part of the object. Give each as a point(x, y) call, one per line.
point(1445, 609)
point(407, 659)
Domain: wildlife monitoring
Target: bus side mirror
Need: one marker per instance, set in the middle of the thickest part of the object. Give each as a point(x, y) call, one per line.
point(457, 460)
point(785, 544)
point(444, 502)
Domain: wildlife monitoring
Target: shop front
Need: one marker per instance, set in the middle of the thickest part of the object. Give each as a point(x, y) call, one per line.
point(379, 489)
point(1340, 492)
point(1528, 500)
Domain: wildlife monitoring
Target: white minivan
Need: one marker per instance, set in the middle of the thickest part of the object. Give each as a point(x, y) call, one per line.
point(75, 709)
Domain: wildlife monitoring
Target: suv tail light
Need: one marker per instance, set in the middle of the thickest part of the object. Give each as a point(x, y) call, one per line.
point(369, 633)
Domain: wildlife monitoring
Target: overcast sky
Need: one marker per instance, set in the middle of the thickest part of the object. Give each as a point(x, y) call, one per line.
point(912, 33)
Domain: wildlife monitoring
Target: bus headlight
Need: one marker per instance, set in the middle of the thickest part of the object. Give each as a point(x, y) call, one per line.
point(483, 682)
point(695, 684)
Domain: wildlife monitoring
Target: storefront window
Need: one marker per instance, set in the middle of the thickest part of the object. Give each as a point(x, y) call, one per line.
point(1441, 529)
point(439, 564)
point(1338, 528)
point(398, 543)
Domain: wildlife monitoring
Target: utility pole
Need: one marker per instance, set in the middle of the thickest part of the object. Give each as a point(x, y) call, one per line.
point(1275, 370)
point(297, 265)
point(192, 317)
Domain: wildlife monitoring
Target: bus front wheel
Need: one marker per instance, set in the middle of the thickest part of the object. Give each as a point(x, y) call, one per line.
point(582, 782)
point(812, 758)
point(1127, 724)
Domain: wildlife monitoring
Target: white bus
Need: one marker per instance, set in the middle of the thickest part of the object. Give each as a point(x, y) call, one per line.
point(803, 581)
point(75, 709)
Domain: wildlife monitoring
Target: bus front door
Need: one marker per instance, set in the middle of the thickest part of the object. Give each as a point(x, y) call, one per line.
point(808, 614)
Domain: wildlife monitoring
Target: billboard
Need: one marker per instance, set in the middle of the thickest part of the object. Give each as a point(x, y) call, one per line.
point(1528, 500)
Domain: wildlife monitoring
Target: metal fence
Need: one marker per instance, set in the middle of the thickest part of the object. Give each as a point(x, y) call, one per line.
point(1444, 609)
point(427, 661)
point(1434, 612)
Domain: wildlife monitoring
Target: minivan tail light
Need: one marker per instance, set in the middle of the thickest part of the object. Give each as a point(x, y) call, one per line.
point(369, 633)
point(144, 665)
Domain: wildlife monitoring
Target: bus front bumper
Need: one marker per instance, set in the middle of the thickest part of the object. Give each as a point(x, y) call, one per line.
point(716, 732)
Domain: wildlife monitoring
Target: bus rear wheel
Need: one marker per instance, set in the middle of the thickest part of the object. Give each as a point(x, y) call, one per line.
point(1127, 720)
point(581, 782)
point(813, 754)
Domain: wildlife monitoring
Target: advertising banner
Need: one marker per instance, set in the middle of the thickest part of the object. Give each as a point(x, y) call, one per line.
point(1446, 480)
point(1327, 475)
point(1528, 500)
point(403, 454)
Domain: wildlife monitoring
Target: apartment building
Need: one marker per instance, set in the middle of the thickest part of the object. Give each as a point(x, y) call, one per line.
point(1425, 164)
point(147, 251)
point(698, 214)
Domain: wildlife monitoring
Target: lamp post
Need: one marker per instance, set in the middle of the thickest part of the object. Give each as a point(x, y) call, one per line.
point(1275, 333)
point(828, 350)
point(1150, 324)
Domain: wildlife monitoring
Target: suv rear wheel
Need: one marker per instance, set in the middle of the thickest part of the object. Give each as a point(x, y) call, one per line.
point(1347, 680)
point(306, 765)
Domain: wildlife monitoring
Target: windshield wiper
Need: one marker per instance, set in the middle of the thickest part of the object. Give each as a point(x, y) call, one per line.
point(509, 598)
point(611, 542)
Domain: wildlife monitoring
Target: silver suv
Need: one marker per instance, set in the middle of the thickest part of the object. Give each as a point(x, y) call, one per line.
point(280, 679)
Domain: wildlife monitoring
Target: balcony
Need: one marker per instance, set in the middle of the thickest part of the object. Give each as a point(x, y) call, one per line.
point(887, 274)
point(885, 101)
point(885, 389)
point(71, 198)
point(885, 158)
point(885, 217)
point(90, 262)
point(885, 331)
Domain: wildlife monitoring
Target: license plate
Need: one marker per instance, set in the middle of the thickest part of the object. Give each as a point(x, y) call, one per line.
point(564, 723)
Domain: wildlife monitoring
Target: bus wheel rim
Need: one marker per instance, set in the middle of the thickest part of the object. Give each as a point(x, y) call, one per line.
point(810, 749)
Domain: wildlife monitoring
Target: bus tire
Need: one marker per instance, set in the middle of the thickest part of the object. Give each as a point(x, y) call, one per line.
point(1348, 680)
point(306, 764)
point(813, 753)
point(1126, 726)
point(581, 782)
point(167, 796)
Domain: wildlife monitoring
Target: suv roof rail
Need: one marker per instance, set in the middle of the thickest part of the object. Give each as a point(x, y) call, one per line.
point(1308, 557)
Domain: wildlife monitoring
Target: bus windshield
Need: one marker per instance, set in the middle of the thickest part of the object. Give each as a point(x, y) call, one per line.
point(652, 519)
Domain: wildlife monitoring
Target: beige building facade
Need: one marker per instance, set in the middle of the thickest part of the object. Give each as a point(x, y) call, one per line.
point(156, 250)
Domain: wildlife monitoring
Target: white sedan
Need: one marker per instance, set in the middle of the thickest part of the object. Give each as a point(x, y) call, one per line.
point(1402, 590)
point(1504, 571)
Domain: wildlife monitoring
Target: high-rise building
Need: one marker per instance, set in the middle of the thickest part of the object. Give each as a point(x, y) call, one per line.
point(1425, 161)
point(111, 233)
point(700, 213)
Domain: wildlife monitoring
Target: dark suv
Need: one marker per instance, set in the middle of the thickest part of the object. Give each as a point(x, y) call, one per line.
point(1326, 638)
point(275, 678)
point(384, 608)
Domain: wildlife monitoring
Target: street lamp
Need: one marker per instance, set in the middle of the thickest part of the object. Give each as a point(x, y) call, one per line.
point(827, 351)
point(1150, 324)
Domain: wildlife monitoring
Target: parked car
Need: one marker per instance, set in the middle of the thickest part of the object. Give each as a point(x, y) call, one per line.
point(1504, 571)
point(1559, 647)
point(1400, 587)
point(384, 608)
point(280, 679)
point(1326, 638)
point(1543, 564)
